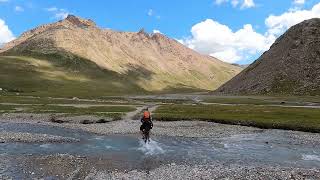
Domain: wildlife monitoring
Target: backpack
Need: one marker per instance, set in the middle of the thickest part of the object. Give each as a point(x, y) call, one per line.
point(146, 116)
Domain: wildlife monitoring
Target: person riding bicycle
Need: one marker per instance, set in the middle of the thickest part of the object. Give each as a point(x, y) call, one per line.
point(146, 121)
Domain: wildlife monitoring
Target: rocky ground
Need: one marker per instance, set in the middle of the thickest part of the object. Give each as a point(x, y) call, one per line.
point(6, 137)
point(72, 167)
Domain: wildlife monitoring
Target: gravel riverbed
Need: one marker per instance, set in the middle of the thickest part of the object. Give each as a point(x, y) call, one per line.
point(65, 166)
point(6, 137)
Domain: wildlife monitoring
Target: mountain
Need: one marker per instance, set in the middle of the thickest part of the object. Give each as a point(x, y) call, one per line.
point(290, 67)
point(75, 51)
point(241, 65)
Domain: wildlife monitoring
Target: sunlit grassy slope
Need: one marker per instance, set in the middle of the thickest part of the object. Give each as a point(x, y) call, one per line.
point(62, 77)
point(70, 76)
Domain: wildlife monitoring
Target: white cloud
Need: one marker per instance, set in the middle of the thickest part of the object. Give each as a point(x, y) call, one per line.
point(247, 4)
point(156, 31)
point(243, 4)
point(4, 1)
point(150, 12)
point(220, 1)
point(153, 14)
point(5, 33)
point(234, 3)
point(52, 9)
point(299, 2)
point(61, 15)
point(213, 38)
point(19, 9)
point(278, 24)
point(58, 13)
point(218, 40)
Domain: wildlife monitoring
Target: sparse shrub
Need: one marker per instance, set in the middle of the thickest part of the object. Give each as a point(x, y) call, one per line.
point(101, 121)
point(116, 118)
point(55, 120)
point(86, 122)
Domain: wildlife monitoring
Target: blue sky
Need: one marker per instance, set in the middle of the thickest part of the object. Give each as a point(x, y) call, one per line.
point(233, 30)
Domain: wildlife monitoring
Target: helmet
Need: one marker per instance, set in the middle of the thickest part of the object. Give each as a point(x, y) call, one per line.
point(146, 115)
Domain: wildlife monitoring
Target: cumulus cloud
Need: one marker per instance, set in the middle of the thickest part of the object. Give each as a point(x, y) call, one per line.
point(19, 9)
point(5, 33)
point(213, 38)
point(156, 31)
point(58, 13)
point(299, 2)
point(243, 4)
point(247, 4)
point(61, 15)
point(218, 40)
point(278, 24)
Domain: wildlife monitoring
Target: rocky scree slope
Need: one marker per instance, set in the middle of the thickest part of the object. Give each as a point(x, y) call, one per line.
point(290, 67)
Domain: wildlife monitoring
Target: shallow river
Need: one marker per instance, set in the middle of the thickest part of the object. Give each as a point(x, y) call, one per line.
point(129, 152)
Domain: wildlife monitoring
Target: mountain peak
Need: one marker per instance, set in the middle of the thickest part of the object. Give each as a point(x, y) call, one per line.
point(79, 21)
point(143, 33)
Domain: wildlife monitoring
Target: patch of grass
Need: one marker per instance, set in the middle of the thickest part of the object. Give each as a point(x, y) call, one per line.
point(7, 108)
point(163, 100)
point(113, 112)
point(238, 100)
point(263, 100)
point(301, 119)
point(47, 100)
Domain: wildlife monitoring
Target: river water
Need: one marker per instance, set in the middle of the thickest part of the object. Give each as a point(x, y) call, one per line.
point(129, 152)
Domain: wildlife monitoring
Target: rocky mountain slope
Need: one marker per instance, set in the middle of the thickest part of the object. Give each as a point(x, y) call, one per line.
point(290, 67)
point(150, 62)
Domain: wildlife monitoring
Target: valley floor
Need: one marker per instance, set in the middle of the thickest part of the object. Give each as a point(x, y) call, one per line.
point(19, 126)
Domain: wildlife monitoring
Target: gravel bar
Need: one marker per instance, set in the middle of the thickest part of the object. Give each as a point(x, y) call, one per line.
point(6, 137)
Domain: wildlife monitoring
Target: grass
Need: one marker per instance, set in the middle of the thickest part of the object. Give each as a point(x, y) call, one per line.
point(164, 101)
point(48, 100)
point(102, 111)
point(263, 100)
point(56, 76)
point(63, 74)
point(301, 119)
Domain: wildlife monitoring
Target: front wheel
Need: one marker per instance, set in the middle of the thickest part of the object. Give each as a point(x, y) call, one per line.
point(146, 136)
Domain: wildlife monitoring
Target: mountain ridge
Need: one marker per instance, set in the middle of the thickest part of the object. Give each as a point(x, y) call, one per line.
point(170, 63)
